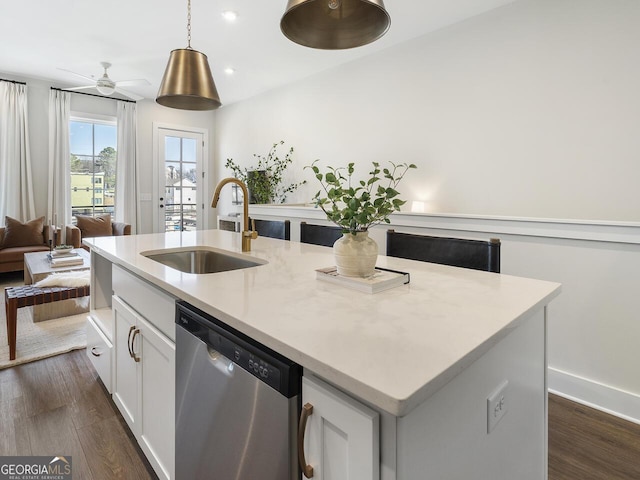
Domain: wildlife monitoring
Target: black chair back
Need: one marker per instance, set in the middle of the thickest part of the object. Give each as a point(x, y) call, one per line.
point(319, 234)
point(273, 228)
point(456, 252)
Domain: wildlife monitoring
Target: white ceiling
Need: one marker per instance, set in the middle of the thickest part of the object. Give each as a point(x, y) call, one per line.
point(40, 37)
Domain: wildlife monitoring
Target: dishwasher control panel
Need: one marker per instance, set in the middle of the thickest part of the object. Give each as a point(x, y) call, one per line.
point(269, 366)
point(244, 357)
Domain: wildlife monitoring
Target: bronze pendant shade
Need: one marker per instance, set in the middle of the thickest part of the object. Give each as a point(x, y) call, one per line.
point(187, 83)
point(334, 24)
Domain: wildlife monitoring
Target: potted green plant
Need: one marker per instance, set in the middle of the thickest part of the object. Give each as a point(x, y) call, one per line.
point(355, 206)
point(265, 180)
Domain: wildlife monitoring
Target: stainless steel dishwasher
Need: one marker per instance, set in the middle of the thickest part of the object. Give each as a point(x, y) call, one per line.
point(237, 404)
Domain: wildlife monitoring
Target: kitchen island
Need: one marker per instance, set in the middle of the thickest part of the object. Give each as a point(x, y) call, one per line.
point(428, 357)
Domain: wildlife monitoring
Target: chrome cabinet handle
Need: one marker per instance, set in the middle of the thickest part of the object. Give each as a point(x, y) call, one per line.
point(135, 357)
point(129, 342)
point(94, 350)
point(306, 412)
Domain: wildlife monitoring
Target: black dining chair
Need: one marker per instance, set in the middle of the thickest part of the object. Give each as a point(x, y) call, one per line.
point(272, 228)
point(456, 252)
point(319, 234)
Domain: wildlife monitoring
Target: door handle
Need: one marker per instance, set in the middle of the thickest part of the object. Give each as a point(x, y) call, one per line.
point(129, 343)
point(95, 352)
point(135, 357)
point(306, 412)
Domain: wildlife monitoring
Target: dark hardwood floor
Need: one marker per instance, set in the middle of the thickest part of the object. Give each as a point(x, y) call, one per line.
point(586, 444)
point(57, 406)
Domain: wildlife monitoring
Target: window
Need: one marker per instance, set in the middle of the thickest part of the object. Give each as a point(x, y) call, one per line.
point(93, 146)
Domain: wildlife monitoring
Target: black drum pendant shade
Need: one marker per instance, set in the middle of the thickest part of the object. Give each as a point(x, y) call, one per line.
point(187, 83)
point(334, 24)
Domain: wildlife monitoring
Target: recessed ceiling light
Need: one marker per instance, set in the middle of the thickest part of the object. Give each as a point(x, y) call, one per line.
point(229, 15)
point(229, 71)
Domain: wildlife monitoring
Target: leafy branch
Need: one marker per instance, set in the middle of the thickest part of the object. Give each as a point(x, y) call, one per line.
point(368, 203)
point(264, 181)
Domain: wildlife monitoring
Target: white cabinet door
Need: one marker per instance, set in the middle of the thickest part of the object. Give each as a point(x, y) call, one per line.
point(125, 371)
point(144, 385)
point(157, 399)
point(342, 436)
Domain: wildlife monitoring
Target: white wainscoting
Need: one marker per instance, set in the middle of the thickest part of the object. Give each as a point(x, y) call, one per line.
point(594, 325)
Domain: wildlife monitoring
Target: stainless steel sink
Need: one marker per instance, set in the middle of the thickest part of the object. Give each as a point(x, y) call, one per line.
point(201, 260)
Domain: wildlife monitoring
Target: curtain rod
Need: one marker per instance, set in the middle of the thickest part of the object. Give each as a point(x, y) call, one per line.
point(12, 81)
point(93, 95)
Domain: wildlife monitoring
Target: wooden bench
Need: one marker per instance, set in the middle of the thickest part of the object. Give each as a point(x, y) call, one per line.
point(28, 295)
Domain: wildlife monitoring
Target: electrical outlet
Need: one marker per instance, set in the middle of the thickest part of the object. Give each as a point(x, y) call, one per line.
point(497, 405)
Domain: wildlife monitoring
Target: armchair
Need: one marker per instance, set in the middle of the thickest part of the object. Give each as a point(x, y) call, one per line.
point(12, 250)
point(99, 226)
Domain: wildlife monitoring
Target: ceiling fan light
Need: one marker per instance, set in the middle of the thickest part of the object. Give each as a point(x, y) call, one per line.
point(334, 25)
point(229, 15)
point(187, 83)
point(105, 89)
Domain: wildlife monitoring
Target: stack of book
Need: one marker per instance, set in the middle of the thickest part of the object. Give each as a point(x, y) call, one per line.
point(65, 258)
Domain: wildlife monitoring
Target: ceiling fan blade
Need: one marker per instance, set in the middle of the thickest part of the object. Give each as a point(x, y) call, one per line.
point(80, 88)
point(127, 93)
point(131, 83)
point(79, 75)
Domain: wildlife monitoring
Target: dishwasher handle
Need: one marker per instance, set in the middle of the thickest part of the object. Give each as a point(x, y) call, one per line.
point(306, 412)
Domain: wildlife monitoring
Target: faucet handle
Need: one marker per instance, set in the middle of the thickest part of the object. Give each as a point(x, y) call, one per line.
point(254, 233)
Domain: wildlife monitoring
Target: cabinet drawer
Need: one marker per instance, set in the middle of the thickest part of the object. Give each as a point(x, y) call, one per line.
point(99, 352)
point(157, 306)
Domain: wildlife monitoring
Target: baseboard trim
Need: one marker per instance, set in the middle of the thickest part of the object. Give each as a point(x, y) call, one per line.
point(596, 395)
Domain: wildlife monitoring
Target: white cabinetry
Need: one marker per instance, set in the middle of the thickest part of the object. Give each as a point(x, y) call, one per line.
point(144, 372)
point(342, 435)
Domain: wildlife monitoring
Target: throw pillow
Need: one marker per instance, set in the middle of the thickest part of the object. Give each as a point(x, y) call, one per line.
point(18, 234)
point(98, 226)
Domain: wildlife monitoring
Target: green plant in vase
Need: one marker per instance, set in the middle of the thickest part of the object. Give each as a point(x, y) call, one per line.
point(355, 206)
point(265, 180)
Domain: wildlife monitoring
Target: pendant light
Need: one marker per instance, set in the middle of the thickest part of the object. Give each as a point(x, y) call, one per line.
point(334, 24)
point(187, 83)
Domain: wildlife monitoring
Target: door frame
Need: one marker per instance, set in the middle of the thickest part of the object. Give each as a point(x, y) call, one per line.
point(157, 126)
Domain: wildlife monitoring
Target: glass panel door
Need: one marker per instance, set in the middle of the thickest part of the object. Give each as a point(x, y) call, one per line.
point(180, 190)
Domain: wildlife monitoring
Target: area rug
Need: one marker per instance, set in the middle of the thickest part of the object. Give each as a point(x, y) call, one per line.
point(38, 340)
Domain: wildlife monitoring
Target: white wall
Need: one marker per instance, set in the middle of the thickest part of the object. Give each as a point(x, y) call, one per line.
point(528, 111)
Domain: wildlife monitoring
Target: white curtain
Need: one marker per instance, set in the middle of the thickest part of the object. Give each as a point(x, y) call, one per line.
point(126, 167)
point(59, 206)
point(16, 193)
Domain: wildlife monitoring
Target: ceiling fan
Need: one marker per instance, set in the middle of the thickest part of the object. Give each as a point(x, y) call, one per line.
point(106, 86)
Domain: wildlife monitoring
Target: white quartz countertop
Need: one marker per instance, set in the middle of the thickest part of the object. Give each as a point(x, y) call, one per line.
point(392, 349)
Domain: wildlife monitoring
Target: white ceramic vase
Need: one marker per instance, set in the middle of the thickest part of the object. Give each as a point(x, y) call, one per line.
point(355, 255)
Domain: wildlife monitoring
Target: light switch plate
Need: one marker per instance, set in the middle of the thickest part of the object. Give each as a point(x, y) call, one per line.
point(497, 406)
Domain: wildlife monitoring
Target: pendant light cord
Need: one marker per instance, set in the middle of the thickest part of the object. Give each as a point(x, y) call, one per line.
point(189, 24)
